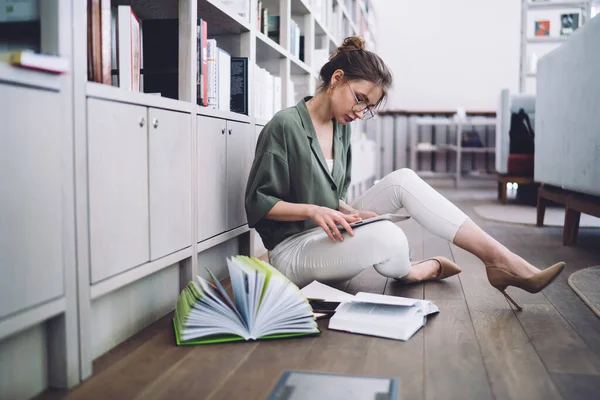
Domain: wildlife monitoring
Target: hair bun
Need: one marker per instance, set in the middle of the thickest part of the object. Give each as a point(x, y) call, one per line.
point(351, 43)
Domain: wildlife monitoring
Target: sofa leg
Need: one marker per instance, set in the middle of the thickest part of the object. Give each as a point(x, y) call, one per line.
point(541, 210)
point(571, 227)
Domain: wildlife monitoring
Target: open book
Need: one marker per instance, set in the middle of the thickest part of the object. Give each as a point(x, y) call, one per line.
point(265, 305)
point(381, 315)
point(373, 314)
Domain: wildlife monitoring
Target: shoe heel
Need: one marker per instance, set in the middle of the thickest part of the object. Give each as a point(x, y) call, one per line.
point(511, 300)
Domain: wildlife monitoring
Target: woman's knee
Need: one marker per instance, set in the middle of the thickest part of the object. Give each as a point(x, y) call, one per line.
point(402, 174)
point(394, 252)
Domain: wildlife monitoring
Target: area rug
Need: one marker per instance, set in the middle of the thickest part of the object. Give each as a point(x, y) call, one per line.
point(586, 283)
point(526, 215)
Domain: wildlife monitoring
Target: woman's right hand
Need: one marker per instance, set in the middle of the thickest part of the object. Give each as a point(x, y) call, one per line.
point(329, 219)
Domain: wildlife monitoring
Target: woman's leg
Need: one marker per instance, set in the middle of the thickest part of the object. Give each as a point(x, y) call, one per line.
point(314, 256)
point(404, 189)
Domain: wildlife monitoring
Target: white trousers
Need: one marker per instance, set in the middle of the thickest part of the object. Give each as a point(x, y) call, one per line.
point(312, 255)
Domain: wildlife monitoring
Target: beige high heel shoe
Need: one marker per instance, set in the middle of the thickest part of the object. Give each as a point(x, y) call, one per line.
point(447, 267)
point(501, 279)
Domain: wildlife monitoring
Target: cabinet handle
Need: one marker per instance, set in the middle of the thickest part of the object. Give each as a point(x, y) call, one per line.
point(223, 131)
point(142, 122)
point(155, 122)
point(230, 129)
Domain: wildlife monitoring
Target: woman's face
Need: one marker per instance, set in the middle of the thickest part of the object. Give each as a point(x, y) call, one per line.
point(346, 94)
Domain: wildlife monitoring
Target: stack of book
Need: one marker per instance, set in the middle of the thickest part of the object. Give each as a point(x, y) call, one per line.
point(143, 55)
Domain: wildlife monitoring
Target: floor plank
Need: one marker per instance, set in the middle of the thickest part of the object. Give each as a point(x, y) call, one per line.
point(513, 366)
point(257, 374)
point(450, 336)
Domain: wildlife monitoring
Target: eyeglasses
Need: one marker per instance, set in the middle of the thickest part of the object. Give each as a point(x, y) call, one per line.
point(361, 106)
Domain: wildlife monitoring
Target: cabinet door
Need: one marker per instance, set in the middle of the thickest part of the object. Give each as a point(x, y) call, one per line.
point(241, 139)
point(169, 138)
point(212, 190)
point(31, 179)
point(118, 187)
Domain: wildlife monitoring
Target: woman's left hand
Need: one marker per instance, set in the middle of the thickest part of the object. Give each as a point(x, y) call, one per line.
point(364, 214)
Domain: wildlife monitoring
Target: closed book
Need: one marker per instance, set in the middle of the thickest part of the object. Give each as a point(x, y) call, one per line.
point(265, 305)
point(161, 57)
point(239, 85)
point(211, 54)
point(41, 62)
point(129, 49)
point(202, 73)
point(223, 80)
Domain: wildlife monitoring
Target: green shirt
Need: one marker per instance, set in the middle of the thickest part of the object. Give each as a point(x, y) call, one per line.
point(289, 165)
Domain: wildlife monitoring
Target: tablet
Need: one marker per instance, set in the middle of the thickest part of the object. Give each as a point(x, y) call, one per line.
point(382, 217)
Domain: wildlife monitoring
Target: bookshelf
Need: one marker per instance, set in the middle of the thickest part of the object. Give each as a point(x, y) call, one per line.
point(137, 191)
point(547, 16)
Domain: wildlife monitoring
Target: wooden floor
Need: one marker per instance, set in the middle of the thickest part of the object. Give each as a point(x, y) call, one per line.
point(477, 347)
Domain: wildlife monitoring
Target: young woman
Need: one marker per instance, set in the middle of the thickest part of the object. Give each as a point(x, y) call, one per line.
point(301, 172)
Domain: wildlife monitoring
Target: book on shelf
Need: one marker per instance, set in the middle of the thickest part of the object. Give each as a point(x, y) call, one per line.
point(99, 44)
point(239, 85)
point(129, 48)
point(160, 46)
point(273, 28)
point(223, 79)
point(542, 28)
point(19, 11)
point(265, 305)
point(211, 54)
point(31, 60)
point(202, 73)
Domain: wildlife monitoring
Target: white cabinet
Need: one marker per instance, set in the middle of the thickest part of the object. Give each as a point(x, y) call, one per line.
point(225, 153)
point(212, 185)
point(31, 263)
point(118, 187)
point(240, 151)
point(170, 181)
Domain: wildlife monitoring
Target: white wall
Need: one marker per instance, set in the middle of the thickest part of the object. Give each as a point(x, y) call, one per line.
point(449, 53)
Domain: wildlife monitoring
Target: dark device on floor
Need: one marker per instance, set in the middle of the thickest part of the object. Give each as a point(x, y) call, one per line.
point(324, 307)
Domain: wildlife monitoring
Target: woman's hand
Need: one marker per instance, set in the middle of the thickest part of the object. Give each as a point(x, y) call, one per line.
point(364, 214)
point(329, 219)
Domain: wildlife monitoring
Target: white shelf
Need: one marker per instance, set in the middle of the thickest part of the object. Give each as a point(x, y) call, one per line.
point(549, 5)
point(113, 93)
point(118, 281)
point(479, 122)
point(477, 149)
point(321, 29)
point(300, 7)
point(213, 241)
point(30, 78)
point(300, 67)
point(346, 14)
point(260, 121)
point(267, 48)
point(24, 319)
point(434, 148)
point(547, 39)
point(426, 121)
point(230, 115)
point(221, 19)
